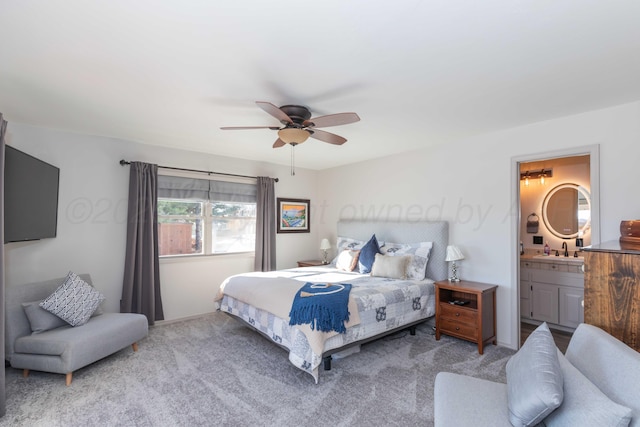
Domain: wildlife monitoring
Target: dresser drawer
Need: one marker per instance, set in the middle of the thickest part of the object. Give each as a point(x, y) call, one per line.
point(458, 313)
point(462, 330)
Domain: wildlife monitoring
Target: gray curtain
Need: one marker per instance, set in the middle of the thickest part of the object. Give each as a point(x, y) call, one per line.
point(265, 225)
point(3, 130)
point(141, 285)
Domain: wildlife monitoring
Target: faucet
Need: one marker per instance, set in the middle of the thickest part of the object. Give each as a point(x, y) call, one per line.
point(566, 249)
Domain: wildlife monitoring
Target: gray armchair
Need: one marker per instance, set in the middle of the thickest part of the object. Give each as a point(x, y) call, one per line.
point(64, 349)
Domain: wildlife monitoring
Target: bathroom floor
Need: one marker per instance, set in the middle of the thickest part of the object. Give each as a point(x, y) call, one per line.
point(560, 337)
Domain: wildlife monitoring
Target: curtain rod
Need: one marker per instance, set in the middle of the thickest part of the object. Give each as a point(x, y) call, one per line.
point(124, 162)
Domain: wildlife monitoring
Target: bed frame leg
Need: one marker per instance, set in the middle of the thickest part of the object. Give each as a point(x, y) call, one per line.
point(412, 330)
point(327, 363)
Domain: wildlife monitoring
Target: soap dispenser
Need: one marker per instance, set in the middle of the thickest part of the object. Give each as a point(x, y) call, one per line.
point(547, 249)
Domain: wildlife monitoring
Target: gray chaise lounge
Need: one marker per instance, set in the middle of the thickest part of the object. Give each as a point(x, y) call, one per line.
point(64, 349)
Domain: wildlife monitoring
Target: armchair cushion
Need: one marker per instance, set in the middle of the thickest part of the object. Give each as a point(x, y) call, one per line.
point(40, 319)
point(584, 404)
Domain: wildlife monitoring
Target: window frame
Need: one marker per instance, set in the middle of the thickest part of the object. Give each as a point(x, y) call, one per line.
point(206, 217)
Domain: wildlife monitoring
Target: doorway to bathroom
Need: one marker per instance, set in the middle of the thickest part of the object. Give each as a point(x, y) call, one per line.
point(557, 195)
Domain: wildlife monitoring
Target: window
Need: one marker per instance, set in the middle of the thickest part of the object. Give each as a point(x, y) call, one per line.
point(201, 217)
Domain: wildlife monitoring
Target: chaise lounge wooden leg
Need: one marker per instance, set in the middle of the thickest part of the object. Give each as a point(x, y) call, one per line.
point(69, 377)
point(134, 346)
point(25, 373)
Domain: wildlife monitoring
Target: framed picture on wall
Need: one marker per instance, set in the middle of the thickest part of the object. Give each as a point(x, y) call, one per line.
point(293, 215)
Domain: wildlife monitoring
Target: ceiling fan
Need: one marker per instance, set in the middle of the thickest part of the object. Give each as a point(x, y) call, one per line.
point(298, 126)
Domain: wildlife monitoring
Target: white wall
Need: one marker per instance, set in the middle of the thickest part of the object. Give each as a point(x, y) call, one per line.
point(92, 218)
point(469, 183)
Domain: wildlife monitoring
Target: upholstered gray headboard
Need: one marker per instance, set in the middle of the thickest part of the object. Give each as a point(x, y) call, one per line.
point(405, 232)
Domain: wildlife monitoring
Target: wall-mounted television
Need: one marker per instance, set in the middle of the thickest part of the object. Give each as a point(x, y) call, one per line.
point(30, 197)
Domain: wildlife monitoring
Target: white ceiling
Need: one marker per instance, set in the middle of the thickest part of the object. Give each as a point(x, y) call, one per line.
point(171, 73)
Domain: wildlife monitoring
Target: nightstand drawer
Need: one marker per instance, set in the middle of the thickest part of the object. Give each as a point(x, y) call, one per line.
point(458, 313)
point(463, 330)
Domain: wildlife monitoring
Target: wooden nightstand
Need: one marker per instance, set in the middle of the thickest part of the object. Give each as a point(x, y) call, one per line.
point(475, 320)
point(311, 263)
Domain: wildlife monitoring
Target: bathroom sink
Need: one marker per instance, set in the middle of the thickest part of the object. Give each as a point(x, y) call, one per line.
point(570, 258)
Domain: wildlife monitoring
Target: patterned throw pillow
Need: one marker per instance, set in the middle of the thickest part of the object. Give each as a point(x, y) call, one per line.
point(74, 301)
point(419, 252)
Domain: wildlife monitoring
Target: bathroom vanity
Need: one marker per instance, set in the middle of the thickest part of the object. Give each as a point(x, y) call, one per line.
point(552, 290)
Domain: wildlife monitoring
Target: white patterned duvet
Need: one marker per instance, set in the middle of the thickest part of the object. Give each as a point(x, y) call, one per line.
point(383, 305)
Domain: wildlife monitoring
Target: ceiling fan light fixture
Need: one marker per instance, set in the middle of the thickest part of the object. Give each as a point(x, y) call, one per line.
point(293, 135)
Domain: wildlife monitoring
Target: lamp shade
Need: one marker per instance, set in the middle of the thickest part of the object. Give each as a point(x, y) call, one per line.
point(453, 253)
point(293, 135)
point(325, 245)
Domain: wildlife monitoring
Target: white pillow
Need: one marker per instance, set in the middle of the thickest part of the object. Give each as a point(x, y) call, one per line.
point(419, 252)
point(393, 267)
point(346, 243)
point(347, 260)
point(74, 301)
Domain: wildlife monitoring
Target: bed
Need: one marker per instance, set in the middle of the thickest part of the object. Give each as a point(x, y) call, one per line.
point(378, 305)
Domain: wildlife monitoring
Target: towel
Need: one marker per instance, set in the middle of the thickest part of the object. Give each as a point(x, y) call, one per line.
point(532, 223)
point(323, 305)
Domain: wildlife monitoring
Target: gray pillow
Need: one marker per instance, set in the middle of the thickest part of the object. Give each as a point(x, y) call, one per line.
point(74, 301)
point(584, 404)
point(534, 379)
point(40, 319)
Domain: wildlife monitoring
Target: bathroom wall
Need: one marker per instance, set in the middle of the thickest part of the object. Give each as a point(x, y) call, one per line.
point(566, 170)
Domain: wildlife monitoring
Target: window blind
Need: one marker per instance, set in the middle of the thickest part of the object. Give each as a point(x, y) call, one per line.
point(176, 187)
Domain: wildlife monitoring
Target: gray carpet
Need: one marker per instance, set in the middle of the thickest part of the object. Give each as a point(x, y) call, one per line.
point(214, 371)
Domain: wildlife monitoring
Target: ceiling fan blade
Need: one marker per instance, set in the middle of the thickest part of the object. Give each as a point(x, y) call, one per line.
point(332, 120)
point(274, 111)
point(249, 127)
point(328, 137)
point(279, 143)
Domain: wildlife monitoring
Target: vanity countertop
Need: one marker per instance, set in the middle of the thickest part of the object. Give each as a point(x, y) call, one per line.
point(552, 259)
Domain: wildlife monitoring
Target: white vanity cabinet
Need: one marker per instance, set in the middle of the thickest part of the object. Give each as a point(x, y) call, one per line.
point(552, 291)
point(570, 307)
point(544, 302)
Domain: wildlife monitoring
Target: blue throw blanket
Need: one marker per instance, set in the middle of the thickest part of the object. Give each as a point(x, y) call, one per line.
point(325, 306)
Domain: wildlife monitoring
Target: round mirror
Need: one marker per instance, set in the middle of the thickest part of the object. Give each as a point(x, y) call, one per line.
point(566, 211)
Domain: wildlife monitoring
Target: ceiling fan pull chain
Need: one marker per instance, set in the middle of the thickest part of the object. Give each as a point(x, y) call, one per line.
point(293, 159)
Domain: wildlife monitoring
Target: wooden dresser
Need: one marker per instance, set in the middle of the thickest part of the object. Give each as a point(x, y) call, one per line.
point(612, 290)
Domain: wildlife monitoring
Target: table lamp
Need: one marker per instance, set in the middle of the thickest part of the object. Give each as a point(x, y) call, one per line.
point(325, 246)
point(453, 254)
